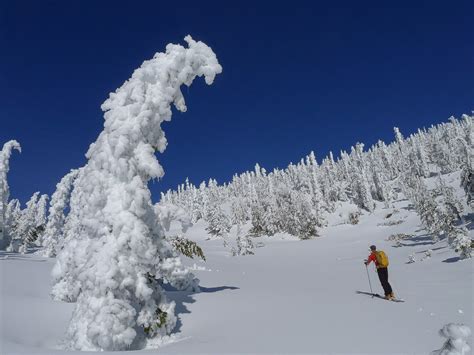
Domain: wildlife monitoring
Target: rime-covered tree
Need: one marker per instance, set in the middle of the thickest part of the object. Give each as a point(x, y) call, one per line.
point(5, 154)
point(219, 224)
point(360, 185)
point(461, 243)
point(41, 210)
point(36, 229)
point(12, 219)
point(26, 226)
point(244, 243)
point(440, 212)
point(53, 233)
point(115, 251)
point(466, 140)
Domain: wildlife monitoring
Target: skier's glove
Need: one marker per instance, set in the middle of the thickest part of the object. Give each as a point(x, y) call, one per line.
point(365, 262)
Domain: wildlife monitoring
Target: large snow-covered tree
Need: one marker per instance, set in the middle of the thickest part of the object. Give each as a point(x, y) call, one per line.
point(5, 154)
point(115, 251)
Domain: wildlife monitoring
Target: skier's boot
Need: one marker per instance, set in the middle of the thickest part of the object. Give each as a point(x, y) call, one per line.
point(392, 296)
point(388, 297)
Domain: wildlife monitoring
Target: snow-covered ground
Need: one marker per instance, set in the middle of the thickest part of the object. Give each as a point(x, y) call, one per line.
point(290, 297)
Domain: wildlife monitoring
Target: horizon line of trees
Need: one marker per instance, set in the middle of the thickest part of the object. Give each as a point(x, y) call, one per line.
point(296, 200)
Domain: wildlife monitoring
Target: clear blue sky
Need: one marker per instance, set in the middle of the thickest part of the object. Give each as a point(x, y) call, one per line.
point(298, 76)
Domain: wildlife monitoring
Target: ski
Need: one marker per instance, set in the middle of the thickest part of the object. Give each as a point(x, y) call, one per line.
point(379, 296)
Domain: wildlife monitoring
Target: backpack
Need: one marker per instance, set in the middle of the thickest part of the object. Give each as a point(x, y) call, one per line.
point(382, 258)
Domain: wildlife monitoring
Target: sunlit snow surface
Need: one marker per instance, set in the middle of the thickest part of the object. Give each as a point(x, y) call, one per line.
point(290, 297)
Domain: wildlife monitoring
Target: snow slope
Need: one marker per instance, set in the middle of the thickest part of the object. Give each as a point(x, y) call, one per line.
point(290, 297)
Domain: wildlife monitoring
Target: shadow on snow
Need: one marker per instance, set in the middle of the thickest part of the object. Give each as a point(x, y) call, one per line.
point(182, 299)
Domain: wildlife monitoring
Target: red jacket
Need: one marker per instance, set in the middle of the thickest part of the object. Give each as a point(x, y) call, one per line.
point(373, 258)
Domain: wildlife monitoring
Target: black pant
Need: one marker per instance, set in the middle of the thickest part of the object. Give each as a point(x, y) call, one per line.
point(383, 277)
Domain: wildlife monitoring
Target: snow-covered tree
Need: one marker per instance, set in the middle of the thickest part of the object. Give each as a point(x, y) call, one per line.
point(461, 243)
point(467, 183)
point(456, 336)
point(115, 251)
point(451, 203)
point(359, 180)
point(240, 210)
point(466, 140)
point(5, 154)
point(41, 211)
point(219, 224)
point(168, 213)
point(26, 226)
point(39, 221)
point(53, 233)
point(244, 243)
point(12, 219)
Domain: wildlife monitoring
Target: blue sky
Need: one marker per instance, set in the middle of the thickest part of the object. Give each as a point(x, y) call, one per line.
point(298, 76)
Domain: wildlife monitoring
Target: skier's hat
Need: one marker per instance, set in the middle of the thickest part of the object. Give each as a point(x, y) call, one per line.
point(373, 247)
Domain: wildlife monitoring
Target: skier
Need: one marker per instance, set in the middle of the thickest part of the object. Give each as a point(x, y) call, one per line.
point(381, 263)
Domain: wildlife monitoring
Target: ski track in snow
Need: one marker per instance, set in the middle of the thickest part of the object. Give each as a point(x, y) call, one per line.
point(290, 297)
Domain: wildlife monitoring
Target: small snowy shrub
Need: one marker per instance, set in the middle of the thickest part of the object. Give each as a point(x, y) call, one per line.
point(388, 215)
point(427, 255)
point(354, 217)
point(397, 238)
point(244, 243)
point(456, 336)
point(462, 244)
point(391, 223)
point(411, 258)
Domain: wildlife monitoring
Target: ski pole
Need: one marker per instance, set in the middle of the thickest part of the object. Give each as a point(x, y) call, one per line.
point(367, 269)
